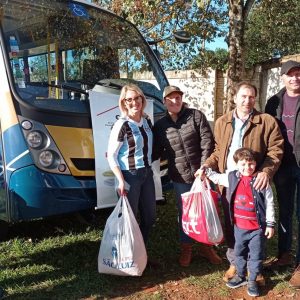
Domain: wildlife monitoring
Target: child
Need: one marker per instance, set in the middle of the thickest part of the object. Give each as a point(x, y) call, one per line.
point(252, 214)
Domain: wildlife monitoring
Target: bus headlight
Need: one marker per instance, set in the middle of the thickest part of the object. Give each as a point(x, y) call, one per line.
point(45, 154)
point(48, 159)
point(27, 125)
point(35, 139)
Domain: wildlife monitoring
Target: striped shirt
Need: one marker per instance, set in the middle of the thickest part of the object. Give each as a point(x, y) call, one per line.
point(130, 144)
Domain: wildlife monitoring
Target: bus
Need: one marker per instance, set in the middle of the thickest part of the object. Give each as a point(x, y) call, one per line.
point(53, 53)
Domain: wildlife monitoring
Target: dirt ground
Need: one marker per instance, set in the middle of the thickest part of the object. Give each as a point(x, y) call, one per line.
point(179, 290)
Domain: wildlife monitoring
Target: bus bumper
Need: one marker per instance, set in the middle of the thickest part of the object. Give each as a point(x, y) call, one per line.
point(34, 194)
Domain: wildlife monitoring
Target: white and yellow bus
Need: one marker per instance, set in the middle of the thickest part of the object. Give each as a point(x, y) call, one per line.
point(53, 53)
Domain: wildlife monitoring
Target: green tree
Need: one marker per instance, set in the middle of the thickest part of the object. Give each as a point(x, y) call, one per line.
point(203, 19)
point(39, 68)
point(157, 20)
point(238, 11)
point(272, 30)
point(217, 59)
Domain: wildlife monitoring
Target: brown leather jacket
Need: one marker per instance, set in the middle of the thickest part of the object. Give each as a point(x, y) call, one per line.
point(262, 135)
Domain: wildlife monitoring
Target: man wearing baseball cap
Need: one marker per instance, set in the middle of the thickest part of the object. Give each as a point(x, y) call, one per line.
point(285, 107)
point(185, 137)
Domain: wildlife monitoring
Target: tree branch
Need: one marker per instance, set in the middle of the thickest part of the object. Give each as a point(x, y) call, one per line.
point(247, 7)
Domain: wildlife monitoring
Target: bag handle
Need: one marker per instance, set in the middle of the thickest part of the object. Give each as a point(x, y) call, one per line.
point(122, 206)
point(199, 184)
point(196, 186)
point(206, 183)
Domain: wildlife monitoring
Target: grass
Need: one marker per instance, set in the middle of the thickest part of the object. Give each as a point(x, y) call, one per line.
point(57, 259)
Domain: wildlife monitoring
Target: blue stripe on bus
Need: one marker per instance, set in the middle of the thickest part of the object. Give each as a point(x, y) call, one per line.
point(38, 194)
point(15, 149)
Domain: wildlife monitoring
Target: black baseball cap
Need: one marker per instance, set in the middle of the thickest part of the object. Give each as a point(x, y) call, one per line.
point(289, 65)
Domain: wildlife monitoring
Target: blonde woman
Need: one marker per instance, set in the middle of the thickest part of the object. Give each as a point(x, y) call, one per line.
point(129, 156)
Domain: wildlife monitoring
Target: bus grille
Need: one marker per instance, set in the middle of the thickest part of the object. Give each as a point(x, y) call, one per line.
point(84, 164)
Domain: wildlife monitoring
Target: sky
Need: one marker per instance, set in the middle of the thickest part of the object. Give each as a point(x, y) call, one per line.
point(218, 43)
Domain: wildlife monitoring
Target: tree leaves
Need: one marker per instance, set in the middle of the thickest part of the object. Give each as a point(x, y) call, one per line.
point(203, 19)
point(272, 30)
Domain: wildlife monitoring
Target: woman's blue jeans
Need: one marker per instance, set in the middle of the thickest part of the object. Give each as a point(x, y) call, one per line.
point(141, 196)
point(181, 188)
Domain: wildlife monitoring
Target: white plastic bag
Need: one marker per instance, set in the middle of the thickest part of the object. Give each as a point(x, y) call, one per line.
point(214, 227)
point(122, 250)
point(157, 180)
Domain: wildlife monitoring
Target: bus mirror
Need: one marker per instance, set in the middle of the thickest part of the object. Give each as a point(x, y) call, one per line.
point(182, 36)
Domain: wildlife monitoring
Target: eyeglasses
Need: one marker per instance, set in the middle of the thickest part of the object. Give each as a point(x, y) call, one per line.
point(136, 99)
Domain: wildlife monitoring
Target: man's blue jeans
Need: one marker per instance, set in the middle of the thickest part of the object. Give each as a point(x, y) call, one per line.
point(287, 183)
point(181, 188)
point(141, 196)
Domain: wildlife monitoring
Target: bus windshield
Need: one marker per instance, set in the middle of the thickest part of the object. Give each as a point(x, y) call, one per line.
point(58, 50)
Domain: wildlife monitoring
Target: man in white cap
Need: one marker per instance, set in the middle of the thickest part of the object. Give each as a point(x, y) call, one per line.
point(285, 107)
point(185, 137)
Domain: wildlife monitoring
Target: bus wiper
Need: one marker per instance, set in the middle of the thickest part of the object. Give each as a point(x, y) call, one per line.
point(60, 86)
point(109, 83)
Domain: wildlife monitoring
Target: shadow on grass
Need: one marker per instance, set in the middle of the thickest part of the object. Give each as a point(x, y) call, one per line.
point(58, 225)
point(71, 269)
point(75, 266)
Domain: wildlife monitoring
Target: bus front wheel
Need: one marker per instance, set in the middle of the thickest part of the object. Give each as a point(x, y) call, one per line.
point(3, 229)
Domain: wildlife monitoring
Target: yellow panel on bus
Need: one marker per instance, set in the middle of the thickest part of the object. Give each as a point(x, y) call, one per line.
point(75, 145)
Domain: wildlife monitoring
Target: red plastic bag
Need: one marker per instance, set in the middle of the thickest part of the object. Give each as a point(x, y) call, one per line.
point(200, 218)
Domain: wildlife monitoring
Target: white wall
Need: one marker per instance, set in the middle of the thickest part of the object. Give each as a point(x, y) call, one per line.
point(199, 89)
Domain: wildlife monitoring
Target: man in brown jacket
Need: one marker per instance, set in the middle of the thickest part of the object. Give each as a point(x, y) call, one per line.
point(244, 127)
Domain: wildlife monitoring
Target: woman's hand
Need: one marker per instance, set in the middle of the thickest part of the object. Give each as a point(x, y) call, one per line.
point(121, 182)
point(121, 188)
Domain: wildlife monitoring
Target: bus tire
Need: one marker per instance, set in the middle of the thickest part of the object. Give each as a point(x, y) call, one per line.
point(3, 229)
